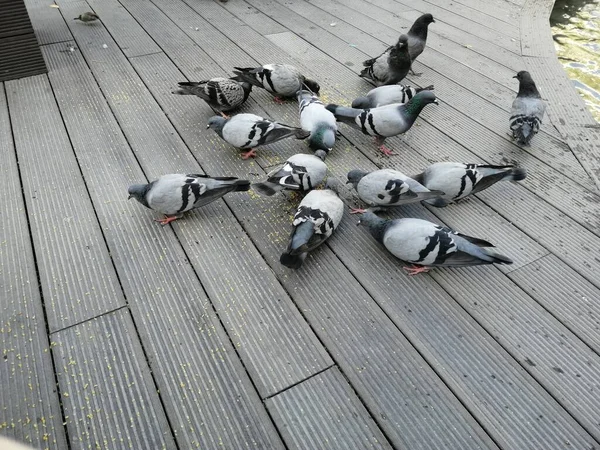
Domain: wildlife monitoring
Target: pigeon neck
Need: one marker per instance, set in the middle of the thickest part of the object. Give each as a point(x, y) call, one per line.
point(419, 29)
point(414, 107)
point(376, 225)
point(527, 88)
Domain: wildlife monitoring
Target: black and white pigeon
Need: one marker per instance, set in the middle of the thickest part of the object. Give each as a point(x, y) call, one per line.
point(458, 180)
point(527, 109)
point(321, 123)
point(417, 36)
point(281, 80)
point(175, 193)
point(384, 121)
point(318, 215)
point(221, 94)
point(424, 244)
point(247, 131)
point(300, 172)
point(386, 188)
point(391, 66)
point(386, 95)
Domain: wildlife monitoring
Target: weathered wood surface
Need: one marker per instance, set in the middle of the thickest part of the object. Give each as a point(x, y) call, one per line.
point(195, 336)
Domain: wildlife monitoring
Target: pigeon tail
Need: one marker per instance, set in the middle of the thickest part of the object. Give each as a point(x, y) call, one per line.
point(361, 103)
point(344, 114)
point(524, 134)
point(241, 185)
point(292, 261)
point(267, 188)
point(517, 174)
point(186, 88)
point(299, 241)
point(496, 258)
point(428, 88)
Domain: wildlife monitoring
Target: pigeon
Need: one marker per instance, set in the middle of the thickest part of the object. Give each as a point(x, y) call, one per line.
point(319, 121)
point(391, 66)
point(246, 131)
point(386, 95)
point(318, 215)
point(424, 243)
point(384, 121)
point(299, 173)
point(281, 80)
point(417, 36)
point(386, 188)
point(459, 180)
point(87, 17)
point(175, 193)
point(221, 94)
point(527, 110)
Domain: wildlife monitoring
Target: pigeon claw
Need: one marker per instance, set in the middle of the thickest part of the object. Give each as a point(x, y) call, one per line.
point(278, 100)
point(225, 116)
point(166, 220)
point(249, 154)
point(386, 151)
point(357, 211)
point(414, 270)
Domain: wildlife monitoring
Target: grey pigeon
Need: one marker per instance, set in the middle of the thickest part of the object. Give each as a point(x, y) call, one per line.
point(221, 94)
point(247, 131)
point(319, 121)
point(458, 180)
point(386, 188)
point(417, 36)
point(175, 193)
point(386, 95)
point(425, 244)
point(281, 80)
point(87, 17)
point(318, 215)
point(384, 121)
point(299, 173)
point(391, 66)
point(527, 109)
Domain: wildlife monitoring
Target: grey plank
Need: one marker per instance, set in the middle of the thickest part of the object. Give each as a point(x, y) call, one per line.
point(248, 299)
point(253, 17)
point(343, 317)
point(30, 410)
point(323, 412)
point(76, 273)
point(131, 38)
point(500, 10)
point(47, 22)
point(536, 36)
point(566, 294)
point(108, 394)
point(208, 396)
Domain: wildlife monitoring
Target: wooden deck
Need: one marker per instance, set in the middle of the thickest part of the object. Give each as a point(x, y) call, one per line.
point(118, 333)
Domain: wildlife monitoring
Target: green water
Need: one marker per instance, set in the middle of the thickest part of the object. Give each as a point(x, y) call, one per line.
point(576, 32)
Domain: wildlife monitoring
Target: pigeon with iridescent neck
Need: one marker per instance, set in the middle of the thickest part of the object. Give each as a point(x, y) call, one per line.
point(386, 95)
point(417, 37)
point(384, 121)
point(321, 123)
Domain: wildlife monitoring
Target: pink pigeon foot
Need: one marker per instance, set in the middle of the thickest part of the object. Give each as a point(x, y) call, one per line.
point(357, 211)
point(225, 116)
point(414, 270)
point(278, 100)
point(386, 151)
point(249, 154)
point(166, 220)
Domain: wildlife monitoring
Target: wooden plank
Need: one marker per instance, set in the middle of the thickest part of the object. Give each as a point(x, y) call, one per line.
point(30, 410)
point(565, 294)
point(208, 396)
point(501, 10)
point(108, 394)
point(253, 17)
point(323, 412)
point(552, 354)
point(536, 36)
point(344, 318)
point(247, 299)
point(131, 38)
point(76, 272)
point(47, 22)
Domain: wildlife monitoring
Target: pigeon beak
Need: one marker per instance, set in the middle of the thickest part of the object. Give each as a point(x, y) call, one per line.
point(129, 197)
point(515, 76)
point(207, 127)
point(348, 182)
point(433, 20)
point(436, 101)
point(358, 223)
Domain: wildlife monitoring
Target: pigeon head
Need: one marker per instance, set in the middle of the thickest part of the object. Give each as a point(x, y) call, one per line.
point(139, 191)
point(402, 40)
point(321, 154)
point(312, 85)
point(322, 138)
point(361, 103)
point(418, 102)
point(217, 123)
point(374, 223)
point(354, 176)
point(527, 87)
point(419, 27)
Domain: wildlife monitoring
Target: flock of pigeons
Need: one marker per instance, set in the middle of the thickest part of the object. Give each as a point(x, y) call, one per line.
point(388, 110)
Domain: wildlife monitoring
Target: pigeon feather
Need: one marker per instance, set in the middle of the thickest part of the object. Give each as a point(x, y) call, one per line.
point(299, 173)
